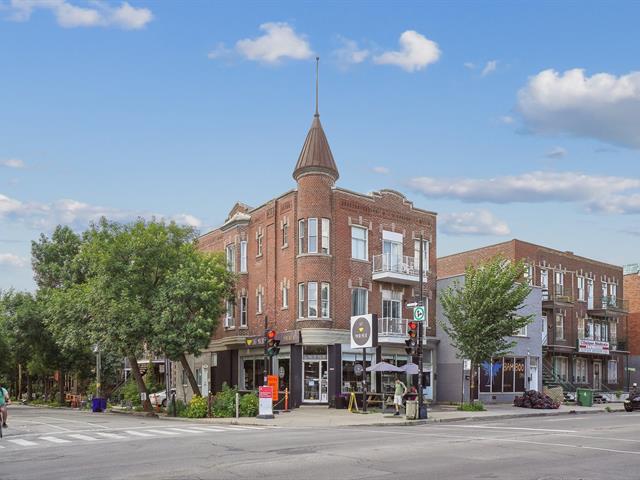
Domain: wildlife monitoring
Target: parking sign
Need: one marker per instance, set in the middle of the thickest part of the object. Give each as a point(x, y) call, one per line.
point(419, 314)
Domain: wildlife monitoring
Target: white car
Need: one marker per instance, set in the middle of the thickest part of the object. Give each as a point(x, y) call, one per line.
point(158, 398)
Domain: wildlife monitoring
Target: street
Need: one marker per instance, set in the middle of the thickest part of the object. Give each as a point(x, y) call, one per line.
point(57, 444)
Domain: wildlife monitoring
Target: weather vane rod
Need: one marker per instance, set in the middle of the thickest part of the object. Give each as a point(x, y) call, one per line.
point(317, 74)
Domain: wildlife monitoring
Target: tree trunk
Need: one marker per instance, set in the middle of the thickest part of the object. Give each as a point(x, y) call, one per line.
point(29, 388)
point(61, 387)
point(192, 379)
point(142, 388)
point(472, 385)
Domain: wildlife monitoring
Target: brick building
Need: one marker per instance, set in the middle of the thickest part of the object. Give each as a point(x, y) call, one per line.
point(584, 314)
point(632, 294)
point(307, 260)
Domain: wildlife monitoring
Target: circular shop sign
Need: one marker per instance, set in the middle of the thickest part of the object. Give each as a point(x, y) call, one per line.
point(357, 369)
point(361, 331)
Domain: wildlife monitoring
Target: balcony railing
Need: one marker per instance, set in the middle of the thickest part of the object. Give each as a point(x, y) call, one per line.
point(395, 268)
point(394, 327)
point(557, 294)
point(613, 303)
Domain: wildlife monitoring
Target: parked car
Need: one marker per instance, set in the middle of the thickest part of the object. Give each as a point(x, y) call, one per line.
point(158, 398)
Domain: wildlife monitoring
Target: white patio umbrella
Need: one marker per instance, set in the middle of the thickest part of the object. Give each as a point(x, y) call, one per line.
point(383, 367)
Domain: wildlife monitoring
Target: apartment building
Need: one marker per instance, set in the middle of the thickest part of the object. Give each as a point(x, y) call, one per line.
point(632, 293)
point(585, 339)
point(306, 261)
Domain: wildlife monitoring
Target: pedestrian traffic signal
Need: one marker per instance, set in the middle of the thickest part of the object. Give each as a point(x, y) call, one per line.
point(273, 344)
point(412, 333)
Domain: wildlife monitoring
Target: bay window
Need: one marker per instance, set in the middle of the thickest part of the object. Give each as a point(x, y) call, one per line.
point(326, 229)
point(301, 300)
point(312, 234)
point(324, 300)
point(312, 300)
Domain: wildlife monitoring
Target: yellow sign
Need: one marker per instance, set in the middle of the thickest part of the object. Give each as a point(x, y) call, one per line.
point(353, 403)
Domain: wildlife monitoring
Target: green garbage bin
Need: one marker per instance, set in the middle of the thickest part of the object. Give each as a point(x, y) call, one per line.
point(585, 397)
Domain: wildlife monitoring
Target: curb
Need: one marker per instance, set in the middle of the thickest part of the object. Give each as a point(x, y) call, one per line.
point(132, 413)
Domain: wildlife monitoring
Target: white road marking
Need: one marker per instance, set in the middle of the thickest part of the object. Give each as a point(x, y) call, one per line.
point(162, 432)
point(248, 427)
point(546, 430)
point(86, 438)
point(76, 421)
point(184, 430)
point(55, 440)
point(599, 438)
point(565, 419)
point(110, 435)
point(23, 443)
point(209, 429)
point(47, 424)
point(139, 434)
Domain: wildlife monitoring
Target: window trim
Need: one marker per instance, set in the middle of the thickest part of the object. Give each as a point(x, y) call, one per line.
point(365, 240)
point(312, 301)
point(259, 303)
point(366, 300)
point(259, 240)
point(325, 239)
point(301, 293)
point(243, 256)
point(322, 300)
point(285, 297)
point(561, 337)
point(301, 226)
point(230, 257)
point(312, 235)
point(244, 313)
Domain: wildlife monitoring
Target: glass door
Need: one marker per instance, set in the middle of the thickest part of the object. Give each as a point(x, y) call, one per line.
point(311, 387)
point(392, 255)
point(597, 377)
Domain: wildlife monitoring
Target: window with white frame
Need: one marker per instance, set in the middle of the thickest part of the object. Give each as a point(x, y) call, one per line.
point(324, 300)
point(559, 326)
point(285, 295)
point(259, 242)
point(604, 291)
point(604, 334)
point(300, 237)
point(359, 301)
point(580, 370)
point(425, 254)
point(301, 300)
point(285, 233)
point(326, 230)
point(359, 243)
point(243, 311)
point(259, 301)
point(230, 251)
point(312, 300)
point(243, 256)
point(559, 283)
point(199, 377)
point(613, 292)
point(612, 371)
point(561, 368)
point(613, 332)
point(597, 330)
point(521, 332)
point(312, 234)
point(229, 320)
point(544, 283)
point(581, 328)
point(588, 326)
point(581, 290)
point(528, 273)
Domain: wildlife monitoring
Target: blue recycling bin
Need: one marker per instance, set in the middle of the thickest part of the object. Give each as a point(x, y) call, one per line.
point(98, 404)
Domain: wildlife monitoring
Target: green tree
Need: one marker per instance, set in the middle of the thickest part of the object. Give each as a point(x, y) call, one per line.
point(188, 306)
point(482, 313)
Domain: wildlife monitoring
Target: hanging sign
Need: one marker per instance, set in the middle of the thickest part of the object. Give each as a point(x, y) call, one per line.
point(364, 331)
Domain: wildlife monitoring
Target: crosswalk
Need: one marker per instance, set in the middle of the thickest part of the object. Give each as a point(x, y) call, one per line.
point(71, 438)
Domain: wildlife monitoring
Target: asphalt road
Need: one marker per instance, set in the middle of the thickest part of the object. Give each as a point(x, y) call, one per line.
point(61, 444)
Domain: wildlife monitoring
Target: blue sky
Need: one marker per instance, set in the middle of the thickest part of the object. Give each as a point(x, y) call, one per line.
point(510, 120)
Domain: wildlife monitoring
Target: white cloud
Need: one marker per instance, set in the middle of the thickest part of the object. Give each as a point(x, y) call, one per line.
point(603, 106)
point(381, 170)
point(349, 53)
point(68, 15)
point(279, 41)
point(489, 67)
point(507, 119)
point(533, 187)
point(479, 222)
point(219, 51)
point(77, 214)
point(416, 52)
point(469, 65)
point(556, 152)
point(616, 204)
point(12, 260)
point(13, 163)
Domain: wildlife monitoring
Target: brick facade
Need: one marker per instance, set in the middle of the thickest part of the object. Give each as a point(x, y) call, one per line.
point(570, 312)
point(632, 294)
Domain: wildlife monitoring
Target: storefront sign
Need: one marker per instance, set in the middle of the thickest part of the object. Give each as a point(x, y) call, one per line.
point(593, 346)
point(265, 402)
point(289, 337)
point(364, 331)
point(272, 381)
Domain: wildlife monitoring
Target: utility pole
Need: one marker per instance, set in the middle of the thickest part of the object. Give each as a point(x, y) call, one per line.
point(266, 348)
point(98, 368)
point(421, 333)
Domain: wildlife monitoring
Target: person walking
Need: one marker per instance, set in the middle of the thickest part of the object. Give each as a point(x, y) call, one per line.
point(634, 392)
point(4, 401)
point(399, 392)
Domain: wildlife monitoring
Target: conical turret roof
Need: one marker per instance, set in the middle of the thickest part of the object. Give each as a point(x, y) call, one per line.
point(316, 154)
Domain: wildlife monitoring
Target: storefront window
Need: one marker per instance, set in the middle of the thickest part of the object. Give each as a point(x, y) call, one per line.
point(496, 372)
point(508, 371)
point(350, 381)
point(485, 377)
point(503, 375)
point(520, 374)
point(253, 373)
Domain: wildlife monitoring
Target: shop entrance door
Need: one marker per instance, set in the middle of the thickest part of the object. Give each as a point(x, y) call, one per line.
point(597, 375)
point(315, 381)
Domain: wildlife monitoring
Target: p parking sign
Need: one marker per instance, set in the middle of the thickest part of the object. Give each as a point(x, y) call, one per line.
point(419, 314)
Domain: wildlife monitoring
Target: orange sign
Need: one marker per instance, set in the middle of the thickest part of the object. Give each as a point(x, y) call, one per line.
point(272, 381)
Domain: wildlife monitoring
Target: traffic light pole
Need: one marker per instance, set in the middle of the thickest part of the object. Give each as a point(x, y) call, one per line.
point(266, 348)
point(421, 334)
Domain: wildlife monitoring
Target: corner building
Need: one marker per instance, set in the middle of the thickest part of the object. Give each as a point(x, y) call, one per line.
point(307, 261)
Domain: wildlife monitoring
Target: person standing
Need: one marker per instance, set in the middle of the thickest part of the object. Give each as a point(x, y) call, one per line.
point(4, 401)
point(399, 392)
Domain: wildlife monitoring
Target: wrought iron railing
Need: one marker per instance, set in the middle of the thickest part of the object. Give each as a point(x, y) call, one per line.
point(394, 327)
point(388, 262)
point(613, 303)
point(558, 294)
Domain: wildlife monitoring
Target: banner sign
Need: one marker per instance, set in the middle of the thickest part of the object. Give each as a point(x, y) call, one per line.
point(289, 337)
point(593, 346)
point(364, 331)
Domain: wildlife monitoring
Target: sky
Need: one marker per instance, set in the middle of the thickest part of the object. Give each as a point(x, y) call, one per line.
point(509, 119)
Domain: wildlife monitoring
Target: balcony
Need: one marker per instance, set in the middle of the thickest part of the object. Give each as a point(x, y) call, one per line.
point(609, 306)
point(558, 296)
point(395, 269)
point(394, 328)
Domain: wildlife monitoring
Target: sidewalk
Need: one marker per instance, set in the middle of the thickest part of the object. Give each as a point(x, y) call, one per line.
point(321, 416)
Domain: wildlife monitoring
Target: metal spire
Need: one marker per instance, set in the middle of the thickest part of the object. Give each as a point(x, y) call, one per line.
point(317, 74)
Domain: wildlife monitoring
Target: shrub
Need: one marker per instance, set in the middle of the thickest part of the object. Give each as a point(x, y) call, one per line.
point(471, 407)
point(224, 403)
point(197, 408)
point(249, 405)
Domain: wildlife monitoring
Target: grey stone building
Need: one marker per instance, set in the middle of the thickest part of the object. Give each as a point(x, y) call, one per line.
point(501, 379)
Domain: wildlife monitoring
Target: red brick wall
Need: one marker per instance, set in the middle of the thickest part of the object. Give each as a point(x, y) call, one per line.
point(632, 292)
point(456, 264)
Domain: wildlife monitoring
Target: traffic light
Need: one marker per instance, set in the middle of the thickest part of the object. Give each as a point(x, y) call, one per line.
point(412, 333)
point(273, 344)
